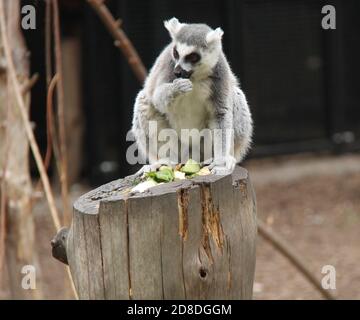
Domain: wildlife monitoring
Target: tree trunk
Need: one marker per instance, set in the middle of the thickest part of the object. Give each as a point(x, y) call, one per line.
point(14, 163)
point(193, 239)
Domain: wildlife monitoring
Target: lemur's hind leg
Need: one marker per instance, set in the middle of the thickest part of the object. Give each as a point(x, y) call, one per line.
point(243, 126)
point(147, 125)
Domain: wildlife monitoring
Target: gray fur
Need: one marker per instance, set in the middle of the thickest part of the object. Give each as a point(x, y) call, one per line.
point(212, 95)
point(193, 34)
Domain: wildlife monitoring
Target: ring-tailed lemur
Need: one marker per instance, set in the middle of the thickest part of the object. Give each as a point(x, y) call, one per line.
point(191, 86)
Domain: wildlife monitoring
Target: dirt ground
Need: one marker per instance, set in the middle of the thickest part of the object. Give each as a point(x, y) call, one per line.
point(313, 202)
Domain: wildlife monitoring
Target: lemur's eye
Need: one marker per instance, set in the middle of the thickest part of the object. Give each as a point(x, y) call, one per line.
point(192, 57)
point(176, 54)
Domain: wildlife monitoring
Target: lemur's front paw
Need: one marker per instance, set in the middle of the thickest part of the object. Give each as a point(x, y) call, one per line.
point(182, 85)
point(223, 166)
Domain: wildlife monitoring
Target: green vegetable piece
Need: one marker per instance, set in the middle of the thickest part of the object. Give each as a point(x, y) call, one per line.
point(164, 175)
point(151, 175)
point(191, 167)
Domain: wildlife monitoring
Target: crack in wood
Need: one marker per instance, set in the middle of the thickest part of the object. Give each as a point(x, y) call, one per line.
point(101, 255)
point(87, 254)
point(211, 224)
point(128, 245)
point(228, 246)
point(183, 203)
point(182, 268)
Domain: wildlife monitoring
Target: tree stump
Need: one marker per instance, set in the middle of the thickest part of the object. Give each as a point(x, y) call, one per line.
point(192, 239)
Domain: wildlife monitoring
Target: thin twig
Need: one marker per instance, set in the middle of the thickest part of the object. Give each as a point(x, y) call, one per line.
point(29, 84)
point(72, 284)
point(25, 118)
point(3, 204)
point(61, 116)
point(294, 258)
point(50, 120)
point(49, 127)
point(121, 39)
point(3, 196)
point(61, 154)
point(30, 135)
point(51, 81)
point(48, 55)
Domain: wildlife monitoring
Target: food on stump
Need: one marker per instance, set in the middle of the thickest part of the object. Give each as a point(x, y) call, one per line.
point(190, 167)
point(167, 174)
point(142, 186)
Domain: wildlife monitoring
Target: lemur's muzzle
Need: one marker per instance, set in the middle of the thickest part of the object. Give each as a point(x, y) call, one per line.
point(181, 73)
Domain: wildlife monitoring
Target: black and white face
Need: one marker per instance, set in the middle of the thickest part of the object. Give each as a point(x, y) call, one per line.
point(195, 49)
point(192, 61)
point(186, 59)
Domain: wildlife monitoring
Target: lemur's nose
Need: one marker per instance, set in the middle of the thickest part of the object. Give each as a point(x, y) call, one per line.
point(181, 73)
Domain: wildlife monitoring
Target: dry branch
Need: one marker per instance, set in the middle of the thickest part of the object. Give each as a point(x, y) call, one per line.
point(48, 55)
point(16, 183)
point(26, 121)
point(61, 118)
point(121, 40)
point(50, 120)
point(295, 259)
point(51, 144)
point(3, 199)
point(30, 135)
point(52, 138)
point(2, 227)
point(30, 83)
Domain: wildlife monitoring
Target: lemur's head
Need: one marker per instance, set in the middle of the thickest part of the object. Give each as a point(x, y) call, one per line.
point(195, 48)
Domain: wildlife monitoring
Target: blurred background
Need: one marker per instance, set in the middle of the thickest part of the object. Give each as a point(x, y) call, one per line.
point(300, 80)
point(302, 85)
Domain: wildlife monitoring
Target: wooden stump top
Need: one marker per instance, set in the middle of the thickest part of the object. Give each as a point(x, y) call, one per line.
point(118, 190)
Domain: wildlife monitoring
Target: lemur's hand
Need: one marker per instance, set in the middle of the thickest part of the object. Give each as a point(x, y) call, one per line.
point(181, 85)
point(223, 166)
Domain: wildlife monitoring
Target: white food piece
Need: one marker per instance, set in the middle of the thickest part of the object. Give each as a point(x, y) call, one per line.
point(204, 171)
point(141, 187)
point(179, 175)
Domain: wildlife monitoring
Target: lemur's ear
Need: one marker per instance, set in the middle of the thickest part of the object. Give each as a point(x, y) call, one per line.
point(214, 35)
point(173, 26)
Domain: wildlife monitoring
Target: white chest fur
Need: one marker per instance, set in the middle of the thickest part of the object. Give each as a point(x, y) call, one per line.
point(191, 110)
